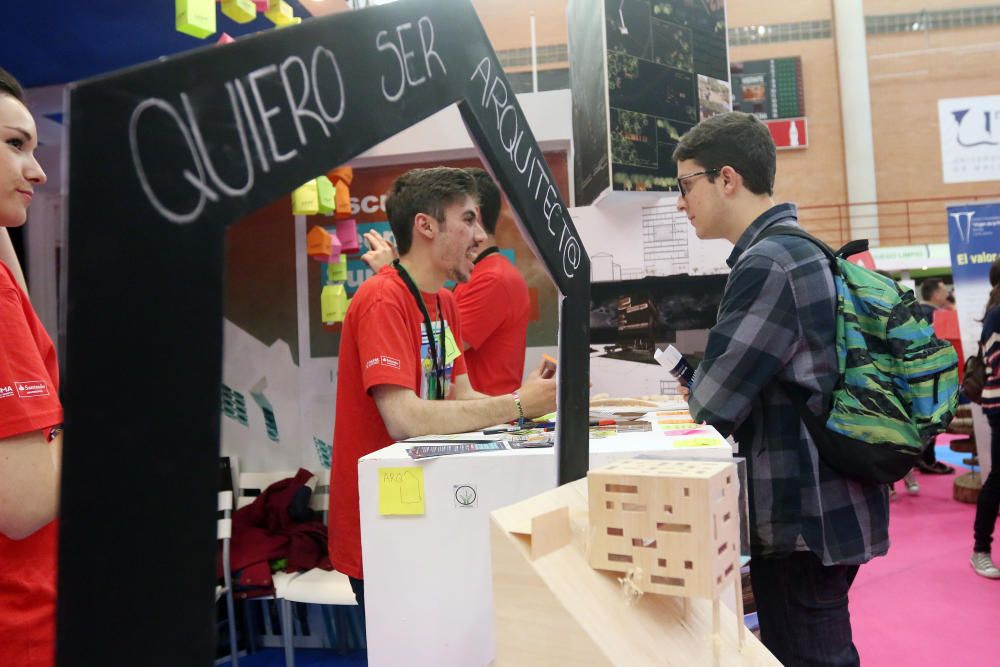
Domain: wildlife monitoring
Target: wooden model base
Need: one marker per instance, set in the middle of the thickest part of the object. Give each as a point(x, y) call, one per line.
point(965, 488)
point(552, 608)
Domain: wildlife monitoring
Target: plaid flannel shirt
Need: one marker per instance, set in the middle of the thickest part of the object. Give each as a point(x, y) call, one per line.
point(775, 334)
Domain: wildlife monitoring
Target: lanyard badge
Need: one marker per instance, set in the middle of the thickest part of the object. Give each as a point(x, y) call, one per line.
point(435, 384)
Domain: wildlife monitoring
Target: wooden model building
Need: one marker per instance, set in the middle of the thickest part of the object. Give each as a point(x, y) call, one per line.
point(553, 608)
point(672, 526)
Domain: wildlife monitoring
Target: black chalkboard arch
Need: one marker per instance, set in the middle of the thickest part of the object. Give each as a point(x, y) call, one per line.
point(161, 158)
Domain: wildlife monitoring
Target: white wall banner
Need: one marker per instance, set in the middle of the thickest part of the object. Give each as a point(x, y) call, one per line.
point(970, 138)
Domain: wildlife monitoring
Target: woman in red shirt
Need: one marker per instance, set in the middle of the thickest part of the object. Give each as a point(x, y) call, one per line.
point(29, 409)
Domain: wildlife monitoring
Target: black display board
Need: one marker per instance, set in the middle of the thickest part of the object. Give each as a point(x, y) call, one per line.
point(665, 69)
point(770, 88)
point(589, 83)
point(162, 158)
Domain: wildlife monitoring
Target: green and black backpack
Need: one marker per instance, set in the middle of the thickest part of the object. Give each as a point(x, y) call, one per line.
point(898, 384)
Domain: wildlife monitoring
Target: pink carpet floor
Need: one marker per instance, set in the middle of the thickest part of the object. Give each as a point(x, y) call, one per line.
point(923, 604)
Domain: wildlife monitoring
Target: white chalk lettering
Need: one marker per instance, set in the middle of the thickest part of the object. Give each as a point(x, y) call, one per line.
point(320, 51)
point(408, 75)
point(253, 127)
point(510, 132)
point(298, 108)
point(486, 78)
point(267, 114)
point(200, 143)
point(302, 87)
point(133, 133)
point(427, 45)
point(382, 45)
point(527, 155)
point(407, 55)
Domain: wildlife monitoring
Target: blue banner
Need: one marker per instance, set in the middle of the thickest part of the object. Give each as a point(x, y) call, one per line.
point(974, 240)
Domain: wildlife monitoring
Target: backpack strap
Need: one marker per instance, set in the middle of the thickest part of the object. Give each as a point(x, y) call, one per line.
point(848, 249)
point(816, 426)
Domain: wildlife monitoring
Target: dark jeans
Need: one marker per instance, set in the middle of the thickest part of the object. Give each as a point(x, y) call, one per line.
point(989, 496)
point(802, 609)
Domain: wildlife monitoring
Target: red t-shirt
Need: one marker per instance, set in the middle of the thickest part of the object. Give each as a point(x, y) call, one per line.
point(493, 308)
point(383, 342)
point(29, 401)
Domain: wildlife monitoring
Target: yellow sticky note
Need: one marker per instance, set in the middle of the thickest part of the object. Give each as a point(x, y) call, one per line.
point(451, 351)
point(401, 491)
point(280, 13)
point(195, 17)
point(241, 11)
point(333, 303)
point(696, 441)
point(305, 199)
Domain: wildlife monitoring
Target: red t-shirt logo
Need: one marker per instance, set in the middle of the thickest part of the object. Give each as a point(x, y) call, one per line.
point(31, 388)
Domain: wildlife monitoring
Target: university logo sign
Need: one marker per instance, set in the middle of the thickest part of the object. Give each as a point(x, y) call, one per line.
point(970, 138)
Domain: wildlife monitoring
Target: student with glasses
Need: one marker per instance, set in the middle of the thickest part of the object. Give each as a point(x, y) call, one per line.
point(810, 527)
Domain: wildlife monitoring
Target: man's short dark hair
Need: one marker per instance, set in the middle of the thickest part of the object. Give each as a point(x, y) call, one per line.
point(428, 191)
point(489, 199)
point(10, 86)
point(928, 287)
point(735, 139)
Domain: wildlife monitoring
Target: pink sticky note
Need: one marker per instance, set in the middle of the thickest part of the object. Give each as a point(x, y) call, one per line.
point(347, 232)
point(224, 38)
point(686, 431)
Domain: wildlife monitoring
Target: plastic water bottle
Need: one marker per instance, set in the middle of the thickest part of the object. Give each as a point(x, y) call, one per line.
point(671, 359)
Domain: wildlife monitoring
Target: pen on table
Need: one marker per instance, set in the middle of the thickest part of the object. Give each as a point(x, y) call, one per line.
point(499, 430)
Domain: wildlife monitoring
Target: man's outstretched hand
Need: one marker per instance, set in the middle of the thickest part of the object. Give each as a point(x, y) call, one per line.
point(380, 252)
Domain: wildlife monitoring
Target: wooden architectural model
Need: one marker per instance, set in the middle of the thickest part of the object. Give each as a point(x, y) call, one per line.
point(553, 608)
point(672, 526)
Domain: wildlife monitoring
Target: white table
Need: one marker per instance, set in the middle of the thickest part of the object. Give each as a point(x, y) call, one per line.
point(428, 591)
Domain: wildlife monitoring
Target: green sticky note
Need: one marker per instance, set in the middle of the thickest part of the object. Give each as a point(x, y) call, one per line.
point(451, 351)
point(336, 271)
point(401, 491)
point(327, 195)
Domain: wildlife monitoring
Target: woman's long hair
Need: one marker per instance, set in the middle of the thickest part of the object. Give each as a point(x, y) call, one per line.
point(994, 299)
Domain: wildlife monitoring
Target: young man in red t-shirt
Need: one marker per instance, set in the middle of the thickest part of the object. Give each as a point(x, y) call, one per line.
point(493, 306)
point(29, 407)
point(401, 348)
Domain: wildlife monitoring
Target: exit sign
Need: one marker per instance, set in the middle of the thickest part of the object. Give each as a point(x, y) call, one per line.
point(789, 133)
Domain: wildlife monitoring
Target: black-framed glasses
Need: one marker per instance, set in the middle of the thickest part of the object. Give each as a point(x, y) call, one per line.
point(681, 179)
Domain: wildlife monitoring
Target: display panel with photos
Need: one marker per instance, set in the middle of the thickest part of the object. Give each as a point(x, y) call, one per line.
point(667, 69)
point(630, 318)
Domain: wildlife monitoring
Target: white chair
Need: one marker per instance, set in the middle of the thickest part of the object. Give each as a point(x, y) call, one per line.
point(316, 586)
point(224, 531)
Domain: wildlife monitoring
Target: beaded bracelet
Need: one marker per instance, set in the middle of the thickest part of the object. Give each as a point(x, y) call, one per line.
point(520, 409)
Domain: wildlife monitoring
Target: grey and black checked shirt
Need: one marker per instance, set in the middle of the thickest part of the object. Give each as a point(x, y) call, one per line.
point(775, 334)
